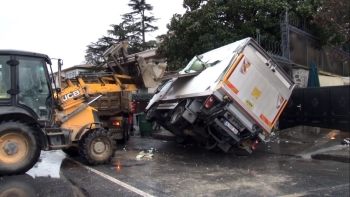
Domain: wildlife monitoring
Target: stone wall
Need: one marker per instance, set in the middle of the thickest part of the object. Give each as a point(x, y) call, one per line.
point(300, 77)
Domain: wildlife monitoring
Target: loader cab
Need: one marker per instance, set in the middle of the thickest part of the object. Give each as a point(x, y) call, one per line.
point(25, 89)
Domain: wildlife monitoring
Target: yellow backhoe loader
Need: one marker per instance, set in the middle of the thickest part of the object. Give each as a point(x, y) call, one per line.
point(37, 115)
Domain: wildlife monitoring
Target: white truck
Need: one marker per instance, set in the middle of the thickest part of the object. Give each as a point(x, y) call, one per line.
point(228, 97)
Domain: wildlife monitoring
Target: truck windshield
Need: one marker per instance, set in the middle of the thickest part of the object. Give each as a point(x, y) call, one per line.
point(211, 58)
point(205, 60)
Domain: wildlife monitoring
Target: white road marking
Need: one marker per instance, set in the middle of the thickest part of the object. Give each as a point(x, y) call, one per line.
point(114, 180)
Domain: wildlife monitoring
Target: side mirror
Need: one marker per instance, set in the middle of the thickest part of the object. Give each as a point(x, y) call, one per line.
point(157, 91)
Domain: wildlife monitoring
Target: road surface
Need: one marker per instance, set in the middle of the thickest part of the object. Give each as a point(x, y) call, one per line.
point(171, 169)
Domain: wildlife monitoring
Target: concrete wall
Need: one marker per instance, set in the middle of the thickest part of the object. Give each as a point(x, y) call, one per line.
point(300, 77)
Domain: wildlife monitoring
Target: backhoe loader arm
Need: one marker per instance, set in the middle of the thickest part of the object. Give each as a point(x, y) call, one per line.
point(143, 69)
point(113, 53)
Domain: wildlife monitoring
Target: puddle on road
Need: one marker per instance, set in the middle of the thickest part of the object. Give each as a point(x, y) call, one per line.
point(128, 157)
point(44, 179)
point(49, 165)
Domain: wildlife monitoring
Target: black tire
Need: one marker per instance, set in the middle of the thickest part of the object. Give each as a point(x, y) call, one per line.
point(217, 150)
point(181, 140)
point(72, 151)
point(125, 131)
point(94, 155)
point(176, 118)
point(128, 133)
point(23, 145)
point(21, 185)
point(150, 116)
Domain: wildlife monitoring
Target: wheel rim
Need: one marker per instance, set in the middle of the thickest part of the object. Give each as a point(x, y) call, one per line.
point(14, 192)
point(13, 148)
point(100, 147)
point(177, 114)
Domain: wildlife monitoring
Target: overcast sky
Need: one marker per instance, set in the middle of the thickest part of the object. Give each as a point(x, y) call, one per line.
point(63, 29)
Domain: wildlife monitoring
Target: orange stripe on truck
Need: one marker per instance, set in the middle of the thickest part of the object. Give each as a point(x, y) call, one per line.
point(280, 111)
point(234, 65)
point(266, 121)
point(232, 87)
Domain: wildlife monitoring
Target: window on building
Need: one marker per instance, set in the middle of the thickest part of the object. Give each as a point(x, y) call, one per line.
point(71, 74)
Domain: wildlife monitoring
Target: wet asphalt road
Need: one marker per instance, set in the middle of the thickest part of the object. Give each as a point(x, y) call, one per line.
point(183, 170)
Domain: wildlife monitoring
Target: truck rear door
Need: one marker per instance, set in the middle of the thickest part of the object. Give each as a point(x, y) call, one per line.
point(259, 86)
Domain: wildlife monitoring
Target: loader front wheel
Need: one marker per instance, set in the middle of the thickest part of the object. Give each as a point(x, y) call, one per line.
point(97, 147)
point(19, 148)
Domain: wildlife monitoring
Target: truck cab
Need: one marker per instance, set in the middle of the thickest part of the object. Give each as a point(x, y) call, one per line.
point(25, 88)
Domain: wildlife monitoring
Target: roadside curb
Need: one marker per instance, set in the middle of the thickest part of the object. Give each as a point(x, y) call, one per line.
point(333, 157)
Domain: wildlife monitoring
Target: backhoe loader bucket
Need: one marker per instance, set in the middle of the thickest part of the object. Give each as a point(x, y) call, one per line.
point(146, 68)
point(151, 72)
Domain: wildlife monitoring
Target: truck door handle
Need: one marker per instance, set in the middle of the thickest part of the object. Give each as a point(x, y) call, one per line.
point(299, 106)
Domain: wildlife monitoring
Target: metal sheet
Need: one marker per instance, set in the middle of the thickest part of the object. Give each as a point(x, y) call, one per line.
point(207, 80)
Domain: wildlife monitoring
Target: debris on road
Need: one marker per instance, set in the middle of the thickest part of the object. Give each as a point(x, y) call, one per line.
point(143, 154)
point(346, 142)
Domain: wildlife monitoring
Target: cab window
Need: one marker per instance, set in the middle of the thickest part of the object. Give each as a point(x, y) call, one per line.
point(5, 80)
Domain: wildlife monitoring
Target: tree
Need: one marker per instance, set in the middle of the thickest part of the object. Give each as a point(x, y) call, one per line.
point(208, 24)
point(95, 50)
point(333, 18)
point(133, 28)
point(139, 20)
point(117, 34)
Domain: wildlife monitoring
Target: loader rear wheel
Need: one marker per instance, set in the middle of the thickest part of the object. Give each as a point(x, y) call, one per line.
point(19, 148)
point(72, 151)
point(97, 147)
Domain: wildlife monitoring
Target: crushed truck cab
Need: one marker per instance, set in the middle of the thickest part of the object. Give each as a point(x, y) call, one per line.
point(228, 97)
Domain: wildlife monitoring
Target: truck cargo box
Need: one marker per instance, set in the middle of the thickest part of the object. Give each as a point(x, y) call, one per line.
point(232, 98)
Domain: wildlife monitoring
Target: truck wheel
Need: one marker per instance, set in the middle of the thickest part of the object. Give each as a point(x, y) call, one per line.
point(72, 151)
point(176, 117)
point(180, 140)
point(125, 132)
point(125, 137)
point(150, 116)
point(19, 148)
point(97, 147)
